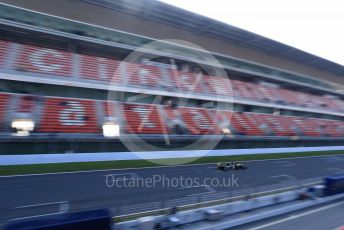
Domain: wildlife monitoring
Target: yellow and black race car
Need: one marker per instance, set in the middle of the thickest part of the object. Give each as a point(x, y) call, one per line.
point(225, 166)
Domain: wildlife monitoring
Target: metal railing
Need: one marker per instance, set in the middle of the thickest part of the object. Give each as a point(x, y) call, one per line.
point(203, 200)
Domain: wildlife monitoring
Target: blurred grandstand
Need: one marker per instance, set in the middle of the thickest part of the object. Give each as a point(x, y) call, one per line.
point(58, 60)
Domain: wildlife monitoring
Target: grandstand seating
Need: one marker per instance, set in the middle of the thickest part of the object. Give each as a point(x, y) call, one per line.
point(42, 60)
point(218, 86)
point(187, 82)
point(26, 104)
point(96, 68)
point(4, 49)
point(198, 121)
point(3, 108)
point(52, 63)
point(70, 115)
point(244, 125)
point(144, 75)
point(145, 119)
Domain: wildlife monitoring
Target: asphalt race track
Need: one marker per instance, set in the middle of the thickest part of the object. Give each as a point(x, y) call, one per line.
point(32, 195)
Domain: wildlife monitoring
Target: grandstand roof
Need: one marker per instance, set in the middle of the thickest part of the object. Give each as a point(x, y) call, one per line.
point(167, 14)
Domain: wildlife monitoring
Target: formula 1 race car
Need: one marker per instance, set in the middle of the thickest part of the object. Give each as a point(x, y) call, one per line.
point(225, 166)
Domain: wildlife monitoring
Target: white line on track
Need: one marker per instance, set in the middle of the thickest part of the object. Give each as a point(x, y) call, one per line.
point(287, 176)
point(334, 169)
point(156, 167)
point(334, 159)
point(40, 204)
point(196, 194)
point(191, 187)
point(207, 187)
point(285, 163)
point(27, 217)
point(121, 175)
point(63, 207)
point(297, 216)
